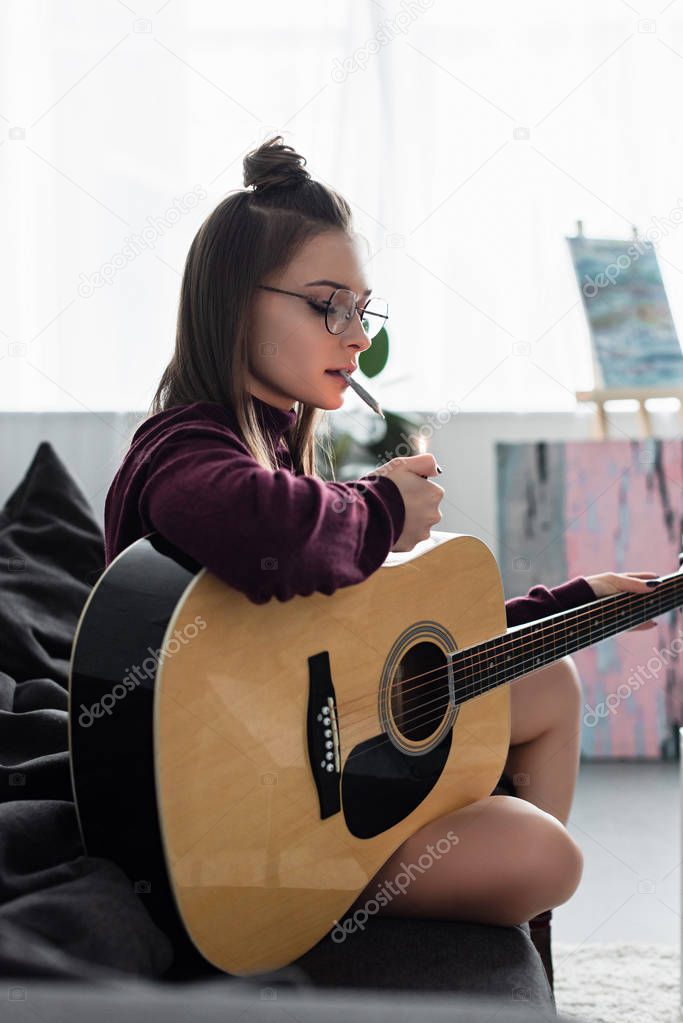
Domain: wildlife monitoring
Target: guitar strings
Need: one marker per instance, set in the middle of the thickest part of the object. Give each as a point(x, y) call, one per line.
point(463, 696)
point(439, 717)
point(463, 693)
point(508, 642)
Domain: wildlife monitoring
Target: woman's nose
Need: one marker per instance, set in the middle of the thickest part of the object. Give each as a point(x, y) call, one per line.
point(354, 332)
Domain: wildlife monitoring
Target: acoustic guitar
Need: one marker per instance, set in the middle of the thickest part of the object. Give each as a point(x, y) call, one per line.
point(250, 767)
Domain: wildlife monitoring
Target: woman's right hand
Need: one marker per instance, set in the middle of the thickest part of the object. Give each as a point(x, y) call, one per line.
point(420, 496)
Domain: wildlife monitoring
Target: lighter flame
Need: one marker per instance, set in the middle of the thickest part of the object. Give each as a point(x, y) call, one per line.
point(421, 444)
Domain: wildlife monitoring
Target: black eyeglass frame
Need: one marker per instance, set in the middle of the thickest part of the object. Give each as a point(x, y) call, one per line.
point(328, 302)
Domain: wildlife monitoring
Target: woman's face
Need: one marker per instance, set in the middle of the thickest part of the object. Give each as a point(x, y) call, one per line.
point(290, 348)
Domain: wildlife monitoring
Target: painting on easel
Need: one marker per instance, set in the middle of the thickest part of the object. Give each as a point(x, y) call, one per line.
point(634, 340)
point(582, 507)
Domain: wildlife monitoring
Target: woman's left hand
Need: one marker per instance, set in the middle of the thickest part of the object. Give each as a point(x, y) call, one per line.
point(607, 583)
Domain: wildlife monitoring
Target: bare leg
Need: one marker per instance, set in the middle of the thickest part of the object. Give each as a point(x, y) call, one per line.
point(545, 736)
point(509, 859)
point(504, 862)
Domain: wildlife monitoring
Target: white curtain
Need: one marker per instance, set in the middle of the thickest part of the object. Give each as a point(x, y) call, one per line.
point(469, 138)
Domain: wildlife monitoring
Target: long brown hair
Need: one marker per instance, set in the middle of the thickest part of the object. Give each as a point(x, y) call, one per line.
point(252, 233)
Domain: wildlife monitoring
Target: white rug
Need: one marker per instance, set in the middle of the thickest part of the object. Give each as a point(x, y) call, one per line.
point(617, 983)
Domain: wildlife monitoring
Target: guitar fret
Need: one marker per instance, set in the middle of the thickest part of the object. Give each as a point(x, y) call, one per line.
point(510, 656)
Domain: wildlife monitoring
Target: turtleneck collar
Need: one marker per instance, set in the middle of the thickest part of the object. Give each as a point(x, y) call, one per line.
point(277, 421)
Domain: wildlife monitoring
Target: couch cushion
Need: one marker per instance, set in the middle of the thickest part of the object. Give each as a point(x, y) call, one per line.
point(419, 954)
point(51, 553)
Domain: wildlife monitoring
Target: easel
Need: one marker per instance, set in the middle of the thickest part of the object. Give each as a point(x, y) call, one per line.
point(600, 395)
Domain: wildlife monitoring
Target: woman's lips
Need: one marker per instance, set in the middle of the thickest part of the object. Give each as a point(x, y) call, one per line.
point(337, 374)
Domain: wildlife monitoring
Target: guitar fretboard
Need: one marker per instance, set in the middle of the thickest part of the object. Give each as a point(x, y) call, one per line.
point(524, 648)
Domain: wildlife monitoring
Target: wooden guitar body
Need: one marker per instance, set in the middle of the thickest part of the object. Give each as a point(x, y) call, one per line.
point(260, 763)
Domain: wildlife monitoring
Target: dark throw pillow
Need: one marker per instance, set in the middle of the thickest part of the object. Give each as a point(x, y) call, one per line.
point(51, 555)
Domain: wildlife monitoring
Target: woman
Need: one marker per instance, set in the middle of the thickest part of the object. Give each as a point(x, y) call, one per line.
point(274, 301)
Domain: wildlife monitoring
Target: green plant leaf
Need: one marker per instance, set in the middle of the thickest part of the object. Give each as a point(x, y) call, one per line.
point(373, 360)
point(398, 429)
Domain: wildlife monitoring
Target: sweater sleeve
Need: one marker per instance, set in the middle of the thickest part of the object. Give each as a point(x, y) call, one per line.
point(541, 601)
point(268, 532)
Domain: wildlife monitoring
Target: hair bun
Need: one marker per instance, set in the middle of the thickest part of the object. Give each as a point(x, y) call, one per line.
point(274, 165)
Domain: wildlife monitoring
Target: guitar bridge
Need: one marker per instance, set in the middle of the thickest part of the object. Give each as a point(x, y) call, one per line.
point(324, 752)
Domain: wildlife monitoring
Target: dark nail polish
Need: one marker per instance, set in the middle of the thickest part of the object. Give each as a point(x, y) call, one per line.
point(438, 468)
point(653, 582)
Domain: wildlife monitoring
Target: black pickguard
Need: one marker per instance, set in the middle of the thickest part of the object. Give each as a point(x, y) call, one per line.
point(380, 785)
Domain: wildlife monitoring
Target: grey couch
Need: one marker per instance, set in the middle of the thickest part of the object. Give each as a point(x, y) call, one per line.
point(223, 1001)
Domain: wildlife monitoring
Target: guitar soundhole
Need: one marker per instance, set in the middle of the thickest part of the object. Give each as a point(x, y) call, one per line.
point(419, 691)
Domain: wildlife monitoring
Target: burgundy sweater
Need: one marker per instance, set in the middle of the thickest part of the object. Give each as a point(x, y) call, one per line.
point(189, 476)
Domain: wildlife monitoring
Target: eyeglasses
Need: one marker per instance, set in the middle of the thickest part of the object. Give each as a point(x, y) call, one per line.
point(340, 308)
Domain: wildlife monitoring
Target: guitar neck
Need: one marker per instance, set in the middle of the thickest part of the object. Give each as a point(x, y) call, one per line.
point(524, 648)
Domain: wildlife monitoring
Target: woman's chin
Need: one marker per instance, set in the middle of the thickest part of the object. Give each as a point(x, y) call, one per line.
point(326, 398)
point(329, 402)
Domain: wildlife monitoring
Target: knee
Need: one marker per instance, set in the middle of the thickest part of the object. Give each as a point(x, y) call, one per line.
point(569, 685)
point(545, 864)
point(570, 672)
point(557, 861)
